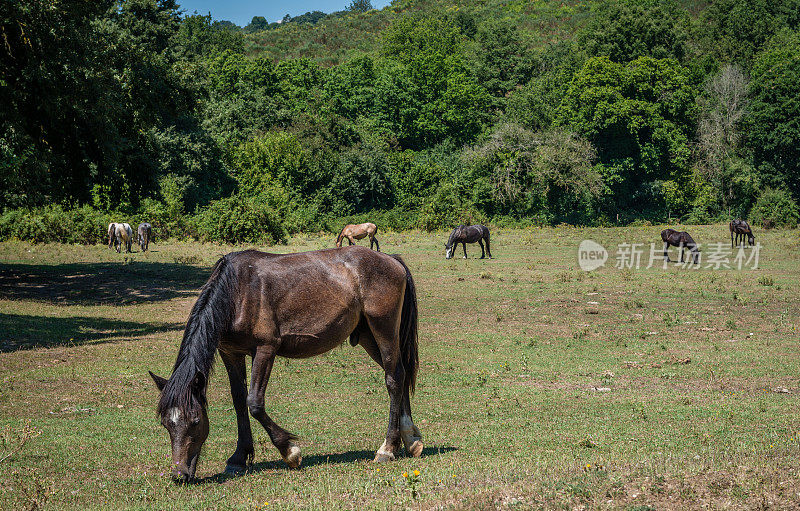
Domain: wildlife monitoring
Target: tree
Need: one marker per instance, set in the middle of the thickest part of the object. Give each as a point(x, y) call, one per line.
point(500, 61)
point(640, 117)
point(736, 30)
point(550, 173)
point(360, 6)
point(626, 30)
point(256, 24)
point(723, 106)
point(773, 130)
point(200, 36)
point(426, 94)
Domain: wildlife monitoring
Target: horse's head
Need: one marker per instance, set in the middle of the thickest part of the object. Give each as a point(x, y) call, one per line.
point(448, 250)
point(187, 426)
point(751, 240)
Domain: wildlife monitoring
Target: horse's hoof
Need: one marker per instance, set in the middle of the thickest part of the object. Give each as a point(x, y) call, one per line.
point(415, 450)
point(235, 469)
point(294, 457)
point(383, 457)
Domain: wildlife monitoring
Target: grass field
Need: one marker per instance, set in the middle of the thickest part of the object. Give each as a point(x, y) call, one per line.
point(541, 386)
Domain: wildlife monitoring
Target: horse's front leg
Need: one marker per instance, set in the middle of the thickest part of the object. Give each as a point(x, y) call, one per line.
point(281, 439)
point(243, 456)
point(666, 255)
point(464, 244)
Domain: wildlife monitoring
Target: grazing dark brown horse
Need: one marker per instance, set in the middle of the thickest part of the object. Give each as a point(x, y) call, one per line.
point(296, 306)
point(681, 240)
point(740, 229)
point(145, 235)
point(468, 234)
point(355, 232)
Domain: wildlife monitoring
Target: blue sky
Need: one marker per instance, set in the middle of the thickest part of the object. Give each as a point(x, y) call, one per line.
point(242, 11)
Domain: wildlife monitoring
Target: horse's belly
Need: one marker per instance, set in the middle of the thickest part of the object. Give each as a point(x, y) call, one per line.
point(311, 340)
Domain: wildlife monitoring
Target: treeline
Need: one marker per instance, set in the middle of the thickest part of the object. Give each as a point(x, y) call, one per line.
point(589, 113)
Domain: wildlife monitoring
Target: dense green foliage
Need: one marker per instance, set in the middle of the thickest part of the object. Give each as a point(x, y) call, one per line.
point(421, 114)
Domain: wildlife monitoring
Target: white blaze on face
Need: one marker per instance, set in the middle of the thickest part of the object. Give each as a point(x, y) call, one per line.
point(173, 415)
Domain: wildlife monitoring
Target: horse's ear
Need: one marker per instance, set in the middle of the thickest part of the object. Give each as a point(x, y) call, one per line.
point(160, 382)
point(199, 383)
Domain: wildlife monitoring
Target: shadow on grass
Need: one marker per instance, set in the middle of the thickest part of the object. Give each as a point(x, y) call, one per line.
point(317, 459)
point(100, 283)
point(19, 331)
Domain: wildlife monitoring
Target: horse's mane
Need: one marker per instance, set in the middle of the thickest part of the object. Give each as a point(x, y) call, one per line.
point(211, 315)
point(453, 234)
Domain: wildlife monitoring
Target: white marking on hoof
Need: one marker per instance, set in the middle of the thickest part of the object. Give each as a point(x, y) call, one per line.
point(411, 436)
point(383, 454)
point(295, 457)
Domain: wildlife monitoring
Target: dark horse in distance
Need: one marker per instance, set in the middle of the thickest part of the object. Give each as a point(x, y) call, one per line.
point(740, 229)
point(145, 235)
point(468, 234)
point(681, 240)
point(296, 306)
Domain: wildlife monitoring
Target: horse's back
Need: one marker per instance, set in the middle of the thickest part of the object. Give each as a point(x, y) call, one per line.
point(314, 300)
point(345, 267)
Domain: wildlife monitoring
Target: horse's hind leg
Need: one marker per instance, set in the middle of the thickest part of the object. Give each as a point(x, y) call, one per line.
point(243, 455)
point(388, 344)
point(281, 439)
point(483, 252)
point(464, 244)
point(412, 438)
point(488, 250)
point(377, 246)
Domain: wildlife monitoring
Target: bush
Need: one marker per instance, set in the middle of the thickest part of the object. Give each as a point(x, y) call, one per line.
point(238, 219)
point(445, 210)
point(775, 208)
point(83, 225)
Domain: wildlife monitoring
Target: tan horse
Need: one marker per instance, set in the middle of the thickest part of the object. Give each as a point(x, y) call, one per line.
point(355, 232)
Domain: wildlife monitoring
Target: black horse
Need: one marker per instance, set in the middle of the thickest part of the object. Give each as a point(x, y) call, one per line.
point(145, 235)
point(681, 240)
point(740, 229)
point(468, 234)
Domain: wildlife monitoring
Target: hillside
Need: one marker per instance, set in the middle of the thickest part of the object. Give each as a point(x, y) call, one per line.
point(422, 114)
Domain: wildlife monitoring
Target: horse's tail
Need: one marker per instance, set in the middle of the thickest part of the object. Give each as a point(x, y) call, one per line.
point(408, 330)
point(211, 316)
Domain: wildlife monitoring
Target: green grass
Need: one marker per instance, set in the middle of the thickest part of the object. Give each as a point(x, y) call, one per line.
point(511, 397)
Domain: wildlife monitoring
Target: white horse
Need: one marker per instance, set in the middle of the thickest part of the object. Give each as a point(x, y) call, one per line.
point(119, 233)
